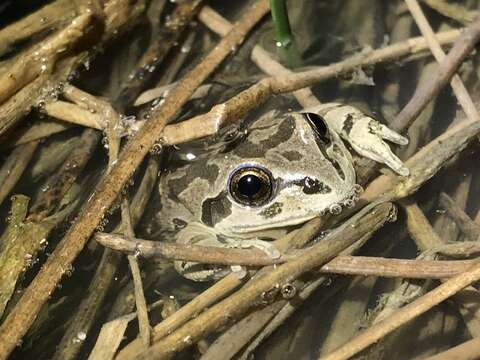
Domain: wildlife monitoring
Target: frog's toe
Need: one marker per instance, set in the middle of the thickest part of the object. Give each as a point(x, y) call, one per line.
point(390, 135)
point(267, 247)
point(386, 156)
point(397, 165)
point(379, 151)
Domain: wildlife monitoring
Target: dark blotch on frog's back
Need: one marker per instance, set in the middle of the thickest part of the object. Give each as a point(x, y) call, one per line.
point(215, 209)
point(348, 124)
point(197, 170)
point(313, 186)
point(292, 155)
point(284, 132)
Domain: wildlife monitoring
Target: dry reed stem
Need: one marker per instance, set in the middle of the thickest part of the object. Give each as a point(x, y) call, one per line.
point(468, 350)
point(60, 182)
point(459, 249)
point(227, 345)
point(458, 87)
point(452, 10)
point(196, 253)
point(112, 333)
point(110, 118)
point(37, 131)
point(427, 240)
point(218, 24)
point(42, 58)
point(405, 314)
point(88, 309)
point(50, 16)
point(24, 313)
point(469, 227)
point(209, 123)
point(351, 265)
point(153, 57)
point(140, 302)
point(120, 14)
point(427, 90)
point(236, 107)
point(74, 114)
point(425, 163)
point(401, 268)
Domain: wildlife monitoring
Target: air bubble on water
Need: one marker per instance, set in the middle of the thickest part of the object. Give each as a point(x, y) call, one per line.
point(350, 203)
point(137, 251)
point(80, 337)
point(357, 189)
point(190, 156)
point(335, 209)
point(392, 216)
point(328, 281)
point(156, 149)
point(186, 48)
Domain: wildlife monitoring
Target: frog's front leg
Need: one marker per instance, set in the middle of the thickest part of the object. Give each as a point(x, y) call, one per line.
point(365, 134)
point(199, 234)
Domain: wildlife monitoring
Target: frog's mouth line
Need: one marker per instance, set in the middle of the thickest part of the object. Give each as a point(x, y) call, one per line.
point(335, 209)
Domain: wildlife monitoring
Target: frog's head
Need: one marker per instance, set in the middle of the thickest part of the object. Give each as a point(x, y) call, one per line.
point(288, 170)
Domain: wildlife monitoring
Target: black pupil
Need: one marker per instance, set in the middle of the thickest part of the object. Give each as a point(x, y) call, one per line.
point(249, 185)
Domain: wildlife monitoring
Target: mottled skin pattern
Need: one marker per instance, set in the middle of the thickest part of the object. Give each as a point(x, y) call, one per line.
point(306, 183)
point(312, 173)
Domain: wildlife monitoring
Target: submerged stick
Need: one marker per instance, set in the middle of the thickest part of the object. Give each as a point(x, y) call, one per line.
point(427, 90)
point(196, 253)
point(465, 351)
point(367, 220)
point(24, 313)
point(41, 58)
point(44, 19)
point(458, 87)
point(13, 168)
point(351, 265)
point(469, 227)
point(405, 314)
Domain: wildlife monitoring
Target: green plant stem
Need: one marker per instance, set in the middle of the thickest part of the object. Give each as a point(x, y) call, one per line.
point(284, 39)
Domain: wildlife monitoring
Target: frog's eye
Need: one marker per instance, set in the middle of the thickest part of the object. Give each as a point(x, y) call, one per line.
point(318, 124)
point(251, 186)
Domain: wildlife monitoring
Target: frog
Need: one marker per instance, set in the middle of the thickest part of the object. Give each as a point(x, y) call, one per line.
point(289, 168)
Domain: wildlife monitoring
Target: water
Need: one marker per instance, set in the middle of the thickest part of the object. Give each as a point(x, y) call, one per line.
point(325, 32)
